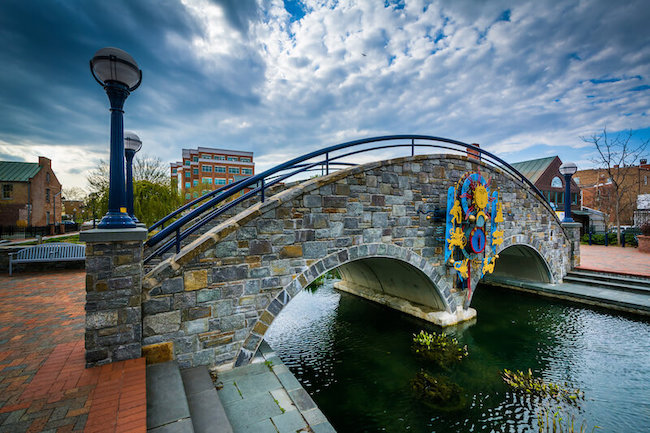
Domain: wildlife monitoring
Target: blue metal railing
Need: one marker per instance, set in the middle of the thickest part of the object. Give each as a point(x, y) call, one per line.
point(206, 206)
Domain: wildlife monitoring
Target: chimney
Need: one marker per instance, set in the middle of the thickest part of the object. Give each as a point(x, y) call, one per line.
point(44, 162)
point(644, 161)
point(473, 153)
point(616, 166)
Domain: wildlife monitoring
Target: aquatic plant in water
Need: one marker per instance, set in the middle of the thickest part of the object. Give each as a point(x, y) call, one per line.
point(557, 423)
point(438, 391)
point(439, 348)
point(525, 382)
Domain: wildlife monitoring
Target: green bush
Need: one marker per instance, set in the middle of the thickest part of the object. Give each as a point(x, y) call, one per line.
point(599, 239)
point(438, 348)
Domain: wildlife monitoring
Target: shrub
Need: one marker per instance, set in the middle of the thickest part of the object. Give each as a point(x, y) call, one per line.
point(439, 348)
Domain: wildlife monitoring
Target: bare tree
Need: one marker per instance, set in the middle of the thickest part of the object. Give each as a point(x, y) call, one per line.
point(74, 193)
point(145, 167)
point(616, 157)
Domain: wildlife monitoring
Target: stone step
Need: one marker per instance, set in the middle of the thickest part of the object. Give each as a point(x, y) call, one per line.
point(208, 414)
point(167, 408)
point(616, 282)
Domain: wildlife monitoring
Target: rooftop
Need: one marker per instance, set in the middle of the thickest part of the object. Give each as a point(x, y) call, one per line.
point(18, 171)
point(534, 168)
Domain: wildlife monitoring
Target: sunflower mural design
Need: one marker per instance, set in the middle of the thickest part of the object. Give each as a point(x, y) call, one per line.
point(472, 232)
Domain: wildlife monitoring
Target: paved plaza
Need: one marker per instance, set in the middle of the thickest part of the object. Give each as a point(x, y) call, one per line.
point(614, 259)
point(44, 385)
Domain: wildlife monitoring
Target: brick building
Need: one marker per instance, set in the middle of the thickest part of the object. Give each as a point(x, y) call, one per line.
point(598, 190)
point(30, 194)
point(205, 169)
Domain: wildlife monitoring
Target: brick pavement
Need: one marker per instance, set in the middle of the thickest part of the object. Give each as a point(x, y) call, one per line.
point(614, 259)
point(44, 385)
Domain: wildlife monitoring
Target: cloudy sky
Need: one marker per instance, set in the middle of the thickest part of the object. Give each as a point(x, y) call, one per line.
point(280, 78)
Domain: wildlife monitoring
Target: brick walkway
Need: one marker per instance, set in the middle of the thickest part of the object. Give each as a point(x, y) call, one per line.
point(44, 385)
point(614, 259)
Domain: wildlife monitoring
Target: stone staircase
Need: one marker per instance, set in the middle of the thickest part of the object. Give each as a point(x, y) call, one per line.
point(183, 401)
point(627, 283)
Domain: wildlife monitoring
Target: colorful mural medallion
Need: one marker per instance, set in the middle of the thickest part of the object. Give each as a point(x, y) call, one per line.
point(471, 232)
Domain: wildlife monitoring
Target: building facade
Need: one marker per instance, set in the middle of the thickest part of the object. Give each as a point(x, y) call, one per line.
point(545, 174)
point(205, 169)
point(598, 189)
point(30, 194)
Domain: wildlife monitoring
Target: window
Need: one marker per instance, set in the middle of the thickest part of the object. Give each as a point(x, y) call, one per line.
point(7, 191)
point(645, 180)
point(47, 195)
point(187, 162)
point(574, 198)
point(195, 171)
point(188, 196)
point(230, 181)
point(206, 169)
point(47, 177)
point(219, 181)
point(188, 185)
point(233, 170)
point(218, 169)
point(242, 159)
point(576, 180)
point(195, 158)
point(204, 156)
point(560, 198)
point(556, 182)
point(173, 171)
point(47, 218)
point(246, 171)
point(187, 175)
point(232, 158)
point(220, 157)
point(195, 194)
point(207, 180)
point(195, 182)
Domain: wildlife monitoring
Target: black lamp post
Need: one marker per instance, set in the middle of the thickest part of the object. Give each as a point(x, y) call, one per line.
point(119, 74)
point(132, 144)
point(568, 169)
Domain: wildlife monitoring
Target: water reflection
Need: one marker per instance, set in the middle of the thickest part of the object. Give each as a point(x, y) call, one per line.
point(354, 357)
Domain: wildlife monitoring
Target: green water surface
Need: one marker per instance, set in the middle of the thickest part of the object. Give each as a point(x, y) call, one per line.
point(354, 358)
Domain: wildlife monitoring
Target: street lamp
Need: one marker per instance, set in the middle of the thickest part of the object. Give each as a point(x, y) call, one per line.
point(119, 74)
point(132, 144)
point(568, 169)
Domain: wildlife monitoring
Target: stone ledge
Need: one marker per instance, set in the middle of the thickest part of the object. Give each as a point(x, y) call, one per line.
point(113, 235)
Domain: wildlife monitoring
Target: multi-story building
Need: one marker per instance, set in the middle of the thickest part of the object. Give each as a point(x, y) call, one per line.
point(205, 169)
point(30, 194)
point(598, 189)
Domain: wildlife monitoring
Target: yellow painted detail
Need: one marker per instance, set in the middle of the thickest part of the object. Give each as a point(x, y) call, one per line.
point(123, 209)
point(488, 265)
point(499, 217)
point(456, 213)
point(497, 237)
point(461, 267)
point(480, 196)
point(457, 239)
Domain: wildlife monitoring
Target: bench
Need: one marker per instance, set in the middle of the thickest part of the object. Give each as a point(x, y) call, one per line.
point(50, 252)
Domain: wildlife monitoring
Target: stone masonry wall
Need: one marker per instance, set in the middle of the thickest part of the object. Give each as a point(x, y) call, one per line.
point(212, 302)
point(113, 301)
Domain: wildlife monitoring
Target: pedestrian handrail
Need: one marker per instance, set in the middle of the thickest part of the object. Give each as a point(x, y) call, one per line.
point(213, 204)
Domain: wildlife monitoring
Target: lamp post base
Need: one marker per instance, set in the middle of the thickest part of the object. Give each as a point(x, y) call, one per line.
point(116, 220)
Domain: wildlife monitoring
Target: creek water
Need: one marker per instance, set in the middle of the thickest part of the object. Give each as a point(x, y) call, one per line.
point(354, 357)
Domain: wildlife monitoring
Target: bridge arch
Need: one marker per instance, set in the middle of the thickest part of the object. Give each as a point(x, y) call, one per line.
point(213, 300)
point(384, 273)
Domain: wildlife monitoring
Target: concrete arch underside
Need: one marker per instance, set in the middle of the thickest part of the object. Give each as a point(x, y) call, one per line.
point(522, 262)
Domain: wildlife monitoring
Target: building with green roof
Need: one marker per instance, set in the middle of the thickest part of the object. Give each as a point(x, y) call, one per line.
point(30, 194)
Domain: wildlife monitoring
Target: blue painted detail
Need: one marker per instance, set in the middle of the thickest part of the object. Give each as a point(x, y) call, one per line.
point(474, 177)
point(451, 196)
point(477, 240)
point(493, 225)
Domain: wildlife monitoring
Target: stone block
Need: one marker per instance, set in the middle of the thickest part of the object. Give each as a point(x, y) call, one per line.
point(314, 250)
point(195, 326)
point(208, 295)
point(195, 279)
point(313, 201)
point(269, 226)
point(101, 319)
point(226, 249)
point(305, 235)
point(335, 201)
point(259, 247)
point(157, 305)
point(184, 300)
point(229, 273)
point(231, 323)
point(172, 285)
point(162, 323)
point(291, 251)
point(193, 313)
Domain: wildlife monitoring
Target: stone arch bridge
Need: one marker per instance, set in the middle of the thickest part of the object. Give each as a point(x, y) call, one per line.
point(212, 302)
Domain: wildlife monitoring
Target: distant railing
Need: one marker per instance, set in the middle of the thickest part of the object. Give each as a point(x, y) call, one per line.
point(209, 206)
